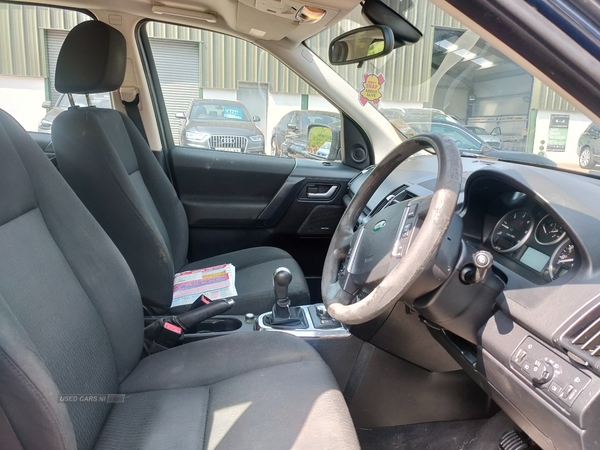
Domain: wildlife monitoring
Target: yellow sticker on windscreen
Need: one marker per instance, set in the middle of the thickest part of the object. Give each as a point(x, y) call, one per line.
point(371, 88)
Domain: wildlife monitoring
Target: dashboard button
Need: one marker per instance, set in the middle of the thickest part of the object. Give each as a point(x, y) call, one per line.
point(520, 356)
point(541, 372)
point(568, 391)
point(555, 388)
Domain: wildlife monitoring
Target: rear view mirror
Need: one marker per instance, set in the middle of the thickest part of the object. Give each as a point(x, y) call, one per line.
point(180, 115)
point(255, 119)
point(47, 104)
point(361, 45)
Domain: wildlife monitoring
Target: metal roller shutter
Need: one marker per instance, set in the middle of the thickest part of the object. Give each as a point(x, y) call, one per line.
point(54, 41)
point(178, 67)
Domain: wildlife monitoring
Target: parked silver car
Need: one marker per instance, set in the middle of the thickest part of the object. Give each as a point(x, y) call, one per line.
point(100, 100)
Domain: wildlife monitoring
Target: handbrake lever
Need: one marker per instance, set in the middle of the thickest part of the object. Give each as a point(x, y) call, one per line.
point(189, 319)
point(166, 332)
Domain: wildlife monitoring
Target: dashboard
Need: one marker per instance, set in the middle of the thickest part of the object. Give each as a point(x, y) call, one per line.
point(537, 350)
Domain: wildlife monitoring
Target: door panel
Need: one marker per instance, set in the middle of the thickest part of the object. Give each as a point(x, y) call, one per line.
point(235, 201)
point(226, 189)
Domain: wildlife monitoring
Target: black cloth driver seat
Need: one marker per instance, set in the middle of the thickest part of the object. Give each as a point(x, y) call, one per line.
point(111, 168)
point(71, 326)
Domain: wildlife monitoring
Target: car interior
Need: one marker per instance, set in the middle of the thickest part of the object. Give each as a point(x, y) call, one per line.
point(398, 293)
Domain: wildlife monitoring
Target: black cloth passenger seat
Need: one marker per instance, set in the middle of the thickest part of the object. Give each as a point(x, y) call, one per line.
point(71, 340)
point(104, 158)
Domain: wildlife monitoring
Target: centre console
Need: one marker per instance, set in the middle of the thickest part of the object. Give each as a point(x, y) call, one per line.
point(316, 323)
point(210, 320)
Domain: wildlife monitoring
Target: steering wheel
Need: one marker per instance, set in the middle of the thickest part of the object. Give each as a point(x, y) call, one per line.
point(368, 269)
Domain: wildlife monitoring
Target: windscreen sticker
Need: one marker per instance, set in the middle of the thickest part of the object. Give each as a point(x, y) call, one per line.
point(371, 92)
point(232, 113)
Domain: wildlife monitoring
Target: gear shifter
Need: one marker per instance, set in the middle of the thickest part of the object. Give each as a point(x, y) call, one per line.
point(281, 282)
point(284, 316)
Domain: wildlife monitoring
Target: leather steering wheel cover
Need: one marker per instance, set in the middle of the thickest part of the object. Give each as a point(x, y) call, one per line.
point(424, 247)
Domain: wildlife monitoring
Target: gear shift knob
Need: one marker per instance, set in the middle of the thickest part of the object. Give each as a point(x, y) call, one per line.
point(285, 316)
point(281, 281)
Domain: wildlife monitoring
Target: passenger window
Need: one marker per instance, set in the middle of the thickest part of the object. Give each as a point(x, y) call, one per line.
point(30, 48)
point(223, 93)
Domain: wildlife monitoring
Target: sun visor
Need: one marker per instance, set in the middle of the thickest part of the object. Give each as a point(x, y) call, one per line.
point(263, 26)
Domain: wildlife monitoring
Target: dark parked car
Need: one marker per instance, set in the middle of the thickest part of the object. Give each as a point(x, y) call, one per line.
point(221, 125)
point(588, 147)
point(467, 142)
point(100, 100)
point(295, 123)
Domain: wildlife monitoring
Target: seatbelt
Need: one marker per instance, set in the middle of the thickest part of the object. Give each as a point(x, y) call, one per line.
point(133, 112)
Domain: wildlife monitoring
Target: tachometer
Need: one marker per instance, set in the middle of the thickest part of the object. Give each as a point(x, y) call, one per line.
point(548, 231)
point(512, 231)
point(562, 260)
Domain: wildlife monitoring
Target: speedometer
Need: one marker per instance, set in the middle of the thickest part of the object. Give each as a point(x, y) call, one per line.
point(563, 259)
point(511, 232)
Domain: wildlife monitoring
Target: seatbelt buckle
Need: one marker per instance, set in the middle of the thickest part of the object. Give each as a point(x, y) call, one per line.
point(162, 335)
point(168, 335)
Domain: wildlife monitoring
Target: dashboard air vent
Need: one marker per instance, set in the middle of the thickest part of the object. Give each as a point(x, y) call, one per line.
point(368, 169)
point(396, 196)
point(582, 339)
point(589, 338)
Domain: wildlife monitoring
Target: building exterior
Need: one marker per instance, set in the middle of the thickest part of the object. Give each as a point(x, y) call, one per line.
point(201, 64)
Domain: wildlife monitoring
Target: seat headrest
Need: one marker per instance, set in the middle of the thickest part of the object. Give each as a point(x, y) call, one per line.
point(92, 59)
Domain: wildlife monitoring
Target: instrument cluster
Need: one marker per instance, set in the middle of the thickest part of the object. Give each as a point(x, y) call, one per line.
point(526, 234)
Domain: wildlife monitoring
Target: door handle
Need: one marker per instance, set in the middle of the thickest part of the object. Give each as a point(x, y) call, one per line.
point(323, 195)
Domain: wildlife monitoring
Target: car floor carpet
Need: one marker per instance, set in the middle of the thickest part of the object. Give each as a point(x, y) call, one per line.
point(454, 435)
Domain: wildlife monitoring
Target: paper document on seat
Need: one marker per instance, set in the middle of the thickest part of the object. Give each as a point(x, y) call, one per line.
point(213, 282)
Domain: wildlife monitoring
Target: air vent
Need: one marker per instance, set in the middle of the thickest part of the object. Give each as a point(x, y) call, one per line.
point(398, 195)
point(589, 338)
point(582, 340)
point(368, 169)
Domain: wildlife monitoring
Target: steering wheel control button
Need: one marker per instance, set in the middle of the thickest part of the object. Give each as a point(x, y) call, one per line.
point(550, 374)
point(412, 210)
point(399, 251)
point(406, 230)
